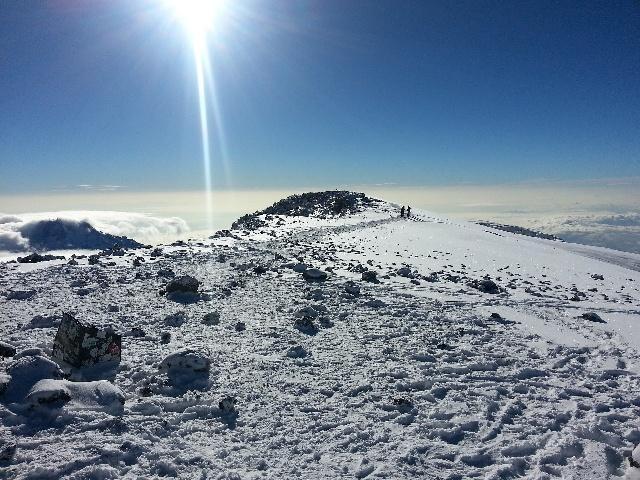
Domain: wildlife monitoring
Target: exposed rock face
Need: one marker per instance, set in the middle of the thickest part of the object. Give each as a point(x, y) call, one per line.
point(67, 234)
point(314, 204)
point(80, 344)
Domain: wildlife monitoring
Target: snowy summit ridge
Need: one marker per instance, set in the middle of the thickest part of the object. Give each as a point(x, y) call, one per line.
point(328, 337)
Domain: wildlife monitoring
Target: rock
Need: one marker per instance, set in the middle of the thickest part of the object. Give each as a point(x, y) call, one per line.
point(72, 262)
point(136, 332)
point(25, 372)
point(36, 258)
point(7, 450)
point(185, 361)
point(240, 327)
point(227, 404)
point(156, 252)
point(211, 318)
point(592, 317)
point(94, 260)
point(183, 284)
point(307, 312)
point(43, 321)
point(7, 350)
point(297, 352)
point(4, 383)
point(259, 270)
point(314, 275)
point(306, 325)
point(176, 319)
point(375, 303)
point(495, 316)
point(100, 396)
point(597, 276)
point(165, 337)
point(80, 344)
point(370, 276)
point(486, 285)
point(404, 272)
point(352, 288)
point(166, 273)
point(19, 294)
point(113, 308)
point(299, 267)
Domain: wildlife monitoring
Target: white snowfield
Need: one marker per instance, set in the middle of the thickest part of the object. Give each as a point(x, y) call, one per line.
point(408, 377)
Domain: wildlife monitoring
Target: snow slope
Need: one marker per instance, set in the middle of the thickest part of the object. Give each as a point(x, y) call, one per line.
point(409, 377)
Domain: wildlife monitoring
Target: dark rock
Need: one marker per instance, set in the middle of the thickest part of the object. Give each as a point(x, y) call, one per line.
point(240, 327)
point(211, 318)
point(80, 344)
point(592, 317)
point(227, 404)
point(94, 259)
point(19, 294)
point(36, 258)
point(183, 284)
point(314, 275)
point(597, 276)
point(370, 276)
point(487, 286)
point(7, 350)
point(259, 270)
point(165, 337)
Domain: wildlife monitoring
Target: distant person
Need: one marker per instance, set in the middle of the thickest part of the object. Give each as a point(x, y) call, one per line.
point(408, 211)
point(402, 212)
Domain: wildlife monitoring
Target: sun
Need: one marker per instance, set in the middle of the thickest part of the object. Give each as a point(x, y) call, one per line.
point(197, 16)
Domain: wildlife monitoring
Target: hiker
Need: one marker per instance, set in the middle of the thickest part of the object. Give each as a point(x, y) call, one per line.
point(402, 212)
point(408, 211)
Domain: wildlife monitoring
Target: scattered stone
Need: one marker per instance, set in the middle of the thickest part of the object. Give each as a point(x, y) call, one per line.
point(314, 275)
point(375, 303)
point(19, 294)
point(352, 288)
point(185, 361)
point(113, 308)
point(156, 252)
point(211, 318)
point(94, 260)
point(176, 319)
point(307, 312)
point(166, 273)
point(299, 267)
point(36, 258)
point(240, 327)
point(183, 284)
point(306, 325)
point(137, 332)
point(165, 337)
point(7, 350)
point(297, 352)
point(592, 317)
point(259, 270)
point(227, 404)
point(486, 285)
point(597, 276)
point(370, 276)
point(80, 344)
point(43, 321)
point(404, 272)
point(7, 450)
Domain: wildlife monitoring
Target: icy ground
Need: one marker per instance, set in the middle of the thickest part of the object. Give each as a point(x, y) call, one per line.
point(410, 377)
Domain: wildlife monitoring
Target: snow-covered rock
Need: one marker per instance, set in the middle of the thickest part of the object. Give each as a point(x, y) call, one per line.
point(95, 396)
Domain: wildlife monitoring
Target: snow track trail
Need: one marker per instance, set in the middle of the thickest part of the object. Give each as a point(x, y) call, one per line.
point(411, 377)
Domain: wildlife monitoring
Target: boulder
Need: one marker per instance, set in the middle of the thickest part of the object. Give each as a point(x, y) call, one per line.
point(25, 372)
point(7, 350)
point(211, 318)
point(79, 344)
point(314, 275)
point(370, 276)
point(99, 396)
point(352, 288)
point(184, 363)
point(183, 284)
point(592, 317)
point(176, 319)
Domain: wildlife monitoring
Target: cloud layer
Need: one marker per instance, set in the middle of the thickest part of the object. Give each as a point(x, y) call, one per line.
point(14, 229)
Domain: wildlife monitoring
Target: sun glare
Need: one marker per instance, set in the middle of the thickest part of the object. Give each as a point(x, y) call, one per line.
point(197, 16)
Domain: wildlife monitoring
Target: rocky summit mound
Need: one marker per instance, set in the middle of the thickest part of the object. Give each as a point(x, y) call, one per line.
point(331, 203)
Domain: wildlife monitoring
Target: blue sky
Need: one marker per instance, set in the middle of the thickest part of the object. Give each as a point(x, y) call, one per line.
point(320, 93)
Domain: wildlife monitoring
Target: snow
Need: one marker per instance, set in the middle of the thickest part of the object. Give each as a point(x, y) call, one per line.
point(335, 377)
